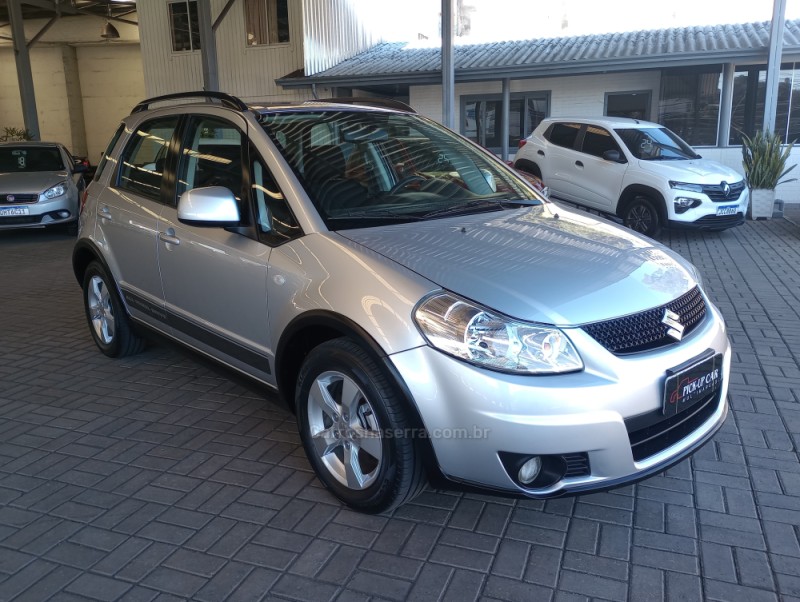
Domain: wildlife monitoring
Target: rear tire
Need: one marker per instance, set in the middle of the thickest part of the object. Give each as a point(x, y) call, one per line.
point(641, 215)
point(355, 427)
point(108, 321)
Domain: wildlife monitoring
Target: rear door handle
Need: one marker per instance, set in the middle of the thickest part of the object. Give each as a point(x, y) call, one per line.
point(579, 163)
point(104, 213)
point(169, 237)
point(540, 152)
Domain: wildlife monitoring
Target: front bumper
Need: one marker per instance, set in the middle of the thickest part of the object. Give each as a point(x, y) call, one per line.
point(705, 216)
point(42, 213)
point(476, 418)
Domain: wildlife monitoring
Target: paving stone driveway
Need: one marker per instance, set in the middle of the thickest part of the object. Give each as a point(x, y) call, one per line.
point(158, 478)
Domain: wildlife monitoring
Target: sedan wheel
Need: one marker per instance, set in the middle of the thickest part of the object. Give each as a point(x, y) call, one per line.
point(101, 313)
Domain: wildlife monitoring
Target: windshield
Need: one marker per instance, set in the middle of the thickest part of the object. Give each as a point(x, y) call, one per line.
point(364, 168)
point(656, 144)
point(30, 158)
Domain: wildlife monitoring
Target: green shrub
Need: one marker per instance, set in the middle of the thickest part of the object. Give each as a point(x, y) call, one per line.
point(765, 161)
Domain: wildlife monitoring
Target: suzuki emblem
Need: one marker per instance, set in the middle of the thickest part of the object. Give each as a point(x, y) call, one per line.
point(672, 321)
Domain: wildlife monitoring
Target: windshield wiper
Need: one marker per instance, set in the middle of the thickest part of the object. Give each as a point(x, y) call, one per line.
point(477, 204)
point(375, 214)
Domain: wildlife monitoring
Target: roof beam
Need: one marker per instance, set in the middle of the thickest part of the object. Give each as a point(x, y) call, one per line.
point(42, 31)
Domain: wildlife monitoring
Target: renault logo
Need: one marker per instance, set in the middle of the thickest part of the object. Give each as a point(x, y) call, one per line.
point(726, 189)
point(672, 321)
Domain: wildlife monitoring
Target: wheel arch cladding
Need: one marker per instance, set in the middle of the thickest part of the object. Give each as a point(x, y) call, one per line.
point(635, 190)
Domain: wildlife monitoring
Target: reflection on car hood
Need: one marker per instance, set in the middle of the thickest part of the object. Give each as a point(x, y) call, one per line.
point(696, 171)
point(33, 182)
point(541, 264)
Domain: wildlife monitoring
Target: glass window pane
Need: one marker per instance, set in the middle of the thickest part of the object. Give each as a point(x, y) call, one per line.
point(597, 140)
point(689, 105)
point(266, 22)
point(194, 25)
point(142, 161)
point(635, 105)
point(564, 134)
point(179, 19)
point(213, 158)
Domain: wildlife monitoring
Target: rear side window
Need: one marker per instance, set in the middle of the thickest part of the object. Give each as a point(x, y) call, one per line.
point(142, 162)
point(105, 156)
point(597, 140)
point(564, 134)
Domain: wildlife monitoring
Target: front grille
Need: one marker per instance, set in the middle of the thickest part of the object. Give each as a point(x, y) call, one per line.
point(720, 221)
point(19, 220)
point(717, 193)
point(577, 465)
point(18, 198)
point(652, 433)
point(645, 330)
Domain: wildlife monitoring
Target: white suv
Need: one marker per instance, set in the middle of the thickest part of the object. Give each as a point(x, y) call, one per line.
point(637, 170)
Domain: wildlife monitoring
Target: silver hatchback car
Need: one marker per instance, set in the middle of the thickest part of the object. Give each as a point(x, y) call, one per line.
point(421, 308)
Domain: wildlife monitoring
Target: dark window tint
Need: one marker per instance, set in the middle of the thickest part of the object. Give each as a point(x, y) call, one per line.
point(596, 141)
point(635, 105)
point(142, 162)
point(185, 26)
point(564, 134)
point(274, 219)
point(30, 158)
point(212, 156)
point(749, 93)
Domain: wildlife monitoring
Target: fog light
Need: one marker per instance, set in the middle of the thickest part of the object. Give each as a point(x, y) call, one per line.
point(530, 470)
point(63, 214)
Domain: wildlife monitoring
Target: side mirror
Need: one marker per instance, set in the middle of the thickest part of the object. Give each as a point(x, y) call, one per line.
point(613, 155)
point(214, 206)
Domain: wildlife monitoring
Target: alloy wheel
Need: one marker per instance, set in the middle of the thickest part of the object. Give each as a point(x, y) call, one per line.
point(101, 311)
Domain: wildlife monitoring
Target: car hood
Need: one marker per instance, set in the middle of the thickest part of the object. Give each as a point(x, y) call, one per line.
point(34, 182)
point(695, 171)
point(540, 264)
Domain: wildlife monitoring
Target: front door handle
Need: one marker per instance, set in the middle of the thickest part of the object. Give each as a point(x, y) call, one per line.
point(579, 163)
point(168, 236)
point(104, 213)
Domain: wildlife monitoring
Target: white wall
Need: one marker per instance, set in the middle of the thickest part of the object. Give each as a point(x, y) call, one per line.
point(245, 71)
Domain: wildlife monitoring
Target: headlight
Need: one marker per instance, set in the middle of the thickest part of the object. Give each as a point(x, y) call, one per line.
point(55, 191)
point(475, 334)
point(685, 186)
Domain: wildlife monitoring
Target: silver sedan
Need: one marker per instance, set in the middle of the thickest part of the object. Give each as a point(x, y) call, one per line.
point(40, 185)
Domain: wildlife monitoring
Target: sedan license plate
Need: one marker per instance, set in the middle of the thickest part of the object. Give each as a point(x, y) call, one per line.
point(9, 211)
point(727, 210)
point(685, 386)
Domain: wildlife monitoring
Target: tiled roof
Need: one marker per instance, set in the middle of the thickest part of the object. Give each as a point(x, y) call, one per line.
point(686, 45)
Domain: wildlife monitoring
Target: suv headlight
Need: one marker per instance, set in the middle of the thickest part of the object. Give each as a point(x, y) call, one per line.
point(685, 186)
point(470, 332)
point(55, 191)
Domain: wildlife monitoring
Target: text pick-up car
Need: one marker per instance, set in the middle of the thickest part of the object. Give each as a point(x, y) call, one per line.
point(422, 309)
point(637, 170)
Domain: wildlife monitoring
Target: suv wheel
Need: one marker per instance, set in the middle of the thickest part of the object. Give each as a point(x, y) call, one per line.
point(355, 428)
point(108, 321)
point(642, 216)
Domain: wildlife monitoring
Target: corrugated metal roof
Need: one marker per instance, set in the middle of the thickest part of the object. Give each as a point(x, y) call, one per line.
point(531, 58)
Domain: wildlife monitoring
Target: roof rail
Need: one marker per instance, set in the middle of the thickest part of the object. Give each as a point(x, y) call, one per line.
point(224, 99)
point(387, 103)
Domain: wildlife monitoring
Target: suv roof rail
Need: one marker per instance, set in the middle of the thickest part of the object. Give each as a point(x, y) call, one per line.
point(386, 103)
point(226, 100)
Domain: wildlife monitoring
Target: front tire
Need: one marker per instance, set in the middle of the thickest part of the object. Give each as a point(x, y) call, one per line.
point(108, 320)
point(641, 215)
point(355, 428)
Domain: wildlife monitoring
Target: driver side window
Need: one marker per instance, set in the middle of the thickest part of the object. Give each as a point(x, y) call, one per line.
point(212, 156)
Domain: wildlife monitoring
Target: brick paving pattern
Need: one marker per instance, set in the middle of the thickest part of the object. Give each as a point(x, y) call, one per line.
point(159, 478)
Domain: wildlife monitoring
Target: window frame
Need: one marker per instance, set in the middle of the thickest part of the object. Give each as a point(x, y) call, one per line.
point(269, 43)
point(253, 156)
point(192, 46)
point(464, 99)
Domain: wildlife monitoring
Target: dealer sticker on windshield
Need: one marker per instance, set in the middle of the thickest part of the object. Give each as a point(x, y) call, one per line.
point(684, 387)
point(727, 210)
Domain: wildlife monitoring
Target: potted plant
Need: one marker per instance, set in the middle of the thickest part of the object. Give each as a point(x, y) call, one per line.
point(764, 162)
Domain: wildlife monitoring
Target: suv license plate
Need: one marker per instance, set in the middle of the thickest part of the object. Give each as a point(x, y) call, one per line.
point(727, 210)
point(684, 387)
point(9, 211)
